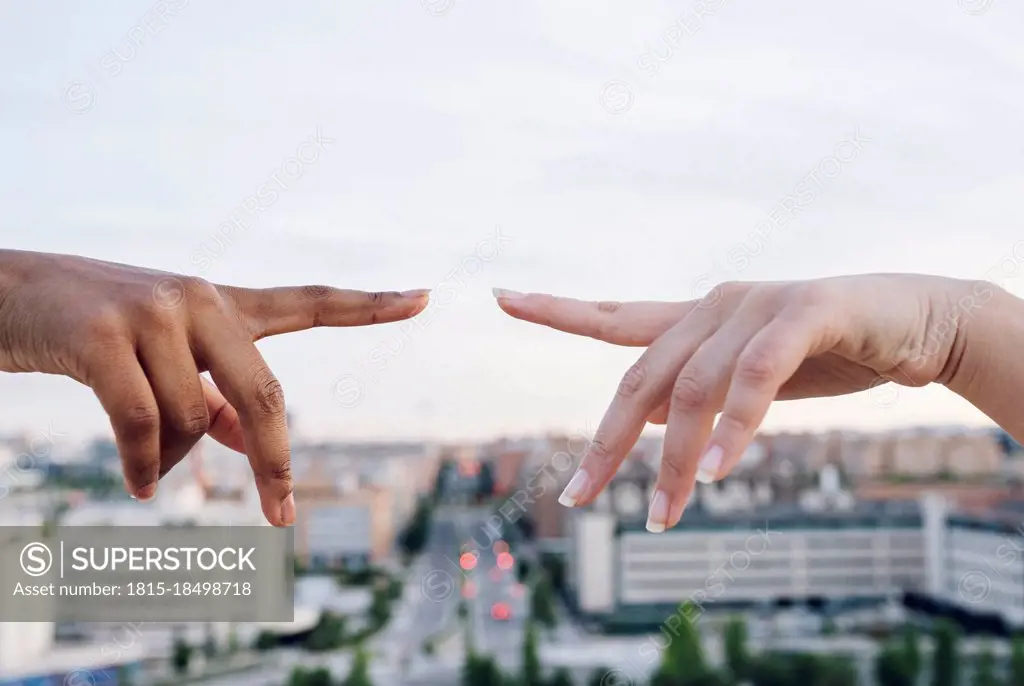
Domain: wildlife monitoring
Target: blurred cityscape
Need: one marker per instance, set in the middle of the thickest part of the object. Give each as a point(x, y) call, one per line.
point(824, 559)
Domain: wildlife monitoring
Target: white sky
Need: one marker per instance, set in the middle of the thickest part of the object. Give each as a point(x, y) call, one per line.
point(447, 125)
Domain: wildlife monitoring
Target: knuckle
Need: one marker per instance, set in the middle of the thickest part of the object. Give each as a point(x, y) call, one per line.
point(202, 292)
point(598, 451)
point(729, 287)
point(140, 472)
point(268, 394)
point(633, 380)
point(106, 324)
point(756, 367)
point(193, 421)
point(276, 474)
point(671, 470)
point(808, 296)
point(316, 292)
point(689, 394)
point(139, 421)
point(157, 320)
point(731, 424)
point(608, 306)
point(607, 328)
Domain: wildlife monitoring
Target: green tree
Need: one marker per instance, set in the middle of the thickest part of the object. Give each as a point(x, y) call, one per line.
point(233, 646)
point(562, 677)
point(1017, 661)
point(209, 643)
point(946, 660)
point(265, 640)
point(892, 667)
point(522, 570)
point(359, 674)
point(380, 608)
point(542, 602)
point(181, 655)
point(802, 669)
point(532, 673)
point(985, 669)
point(417, 530)
point(912, 653)
point(836, 671)
point(485, 481)
point(328, 634)
point(481, 671)
point(735, 642)
point(683, 655)
point(316, 676)
point(705, 678)
point(555, 567)
point(770, 670)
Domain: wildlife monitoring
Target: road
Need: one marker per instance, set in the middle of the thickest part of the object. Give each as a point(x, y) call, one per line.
point(430, 598)
point(428, 610)
point(493, 587)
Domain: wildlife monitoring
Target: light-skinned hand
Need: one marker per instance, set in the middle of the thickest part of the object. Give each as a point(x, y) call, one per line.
point(742, 347)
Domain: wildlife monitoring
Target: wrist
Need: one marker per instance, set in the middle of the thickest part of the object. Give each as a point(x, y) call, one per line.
point(972, 307)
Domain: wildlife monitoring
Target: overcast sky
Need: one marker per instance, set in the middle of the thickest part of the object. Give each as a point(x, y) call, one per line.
point(625, 150)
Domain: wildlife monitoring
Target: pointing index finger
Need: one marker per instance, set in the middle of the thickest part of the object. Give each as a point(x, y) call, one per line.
point(631, 323)
point(272, 311)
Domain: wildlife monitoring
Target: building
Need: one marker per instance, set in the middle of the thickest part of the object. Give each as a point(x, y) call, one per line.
point(957, 495)
point(827, 549)
point(621, 576)
point(30, 654)
point(353, 499)
point(981, 568)
point(340, 522)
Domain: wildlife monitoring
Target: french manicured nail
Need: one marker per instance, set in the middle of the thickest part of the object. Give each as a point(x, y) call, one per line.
point(418, 293)
point(504, 294)
point(657, 516)
point(146, 492)
point(288, 510)
point(574, 491)
point(709, 465)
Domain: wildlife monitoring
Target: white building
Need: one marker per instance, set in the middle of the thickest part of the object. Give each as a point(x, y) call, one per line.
point(622, 573)
point(982, 571)
point(814, 552)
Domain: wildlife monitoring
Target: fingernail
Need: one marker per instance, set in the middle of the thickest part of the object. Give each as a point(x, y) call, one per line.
point(709, 465)
point(657, 516)
point(145, 493)
point(572, 493)
point(504, 294)
point(417, 293)
point(288, 510)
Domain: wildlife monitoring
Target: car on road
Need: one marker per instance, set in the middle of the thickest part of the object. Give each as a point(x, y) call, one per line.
point(501, 612)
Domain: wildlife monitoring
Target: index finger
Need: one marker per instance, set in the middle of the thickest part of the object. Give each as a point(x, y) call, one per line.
point(631, 323)
point(272, 311)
